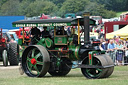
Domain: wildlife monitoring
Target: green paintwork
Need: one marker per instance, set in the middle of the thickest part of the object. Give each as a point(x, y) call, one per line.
point(39, 62)
point(20, 41)
point(42, 42)
point(48, 42)
point(75, 49)
point(58, 63)
point(95, 72)
point(92, 54)
point(103, 52)
point(74, 55)
point(60, 40)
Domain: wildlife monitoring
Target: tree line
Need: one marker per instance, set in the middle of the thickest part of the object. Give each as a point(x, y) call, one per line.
point(29, 8)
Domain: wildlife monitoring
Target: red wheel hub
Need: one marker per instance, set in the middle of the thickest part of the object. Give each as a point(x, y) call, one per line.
point(33, 61)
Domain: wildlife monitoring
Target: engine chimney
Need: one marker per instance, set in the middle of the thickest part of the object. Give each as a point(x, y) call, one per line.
point(86, 28)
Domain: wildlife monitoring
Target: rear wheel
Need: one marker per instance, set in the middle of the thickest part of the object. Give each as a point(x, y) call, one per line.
point(94, 73)
point(35, 61)
point(5, 57)
point(13, 54)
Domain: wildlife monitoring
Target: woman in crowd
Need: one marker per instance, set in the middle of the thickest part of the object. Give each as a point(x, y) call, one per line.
point(119, 53)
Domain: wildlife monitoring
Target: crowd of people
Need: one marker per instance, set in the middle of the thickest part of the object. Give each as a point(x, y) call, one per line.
point(116, 48)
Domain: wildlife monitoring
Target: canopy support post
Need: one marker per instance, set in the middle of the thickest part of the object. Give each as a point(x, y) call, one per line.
point(78, 32)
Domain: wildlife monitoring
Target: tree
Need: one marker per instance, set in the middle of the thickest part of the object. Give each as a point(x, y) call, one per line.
point(115, 5)
point(10, 8)
point(23, 5)
point(38, 7)
point(59, 3)
point(73, 6)
point(99, 10)
point(3, 1)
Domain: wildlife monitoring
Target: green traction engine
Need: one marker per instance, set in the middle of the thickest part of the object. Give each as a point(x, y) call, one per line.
point(56, 55)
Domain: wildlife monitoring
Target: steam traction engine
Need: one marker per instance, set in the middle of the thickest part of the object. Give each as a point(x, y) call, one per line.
point(55, 55)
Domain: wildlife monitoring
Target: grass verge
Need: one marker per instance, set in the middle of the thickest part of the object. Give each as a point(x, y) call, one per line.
point(12, 77)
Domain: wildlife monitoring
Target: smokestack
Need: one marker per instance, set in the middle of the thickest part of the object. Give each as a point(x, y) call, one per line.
point(86, 28)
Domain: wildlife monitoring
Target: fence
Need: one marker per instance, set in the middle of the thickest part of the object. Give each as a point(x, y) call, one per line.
point(119, 57)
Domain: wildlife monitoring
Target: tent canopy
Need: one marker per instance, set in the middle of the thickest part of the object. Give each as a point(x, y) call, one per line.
point(123, 33)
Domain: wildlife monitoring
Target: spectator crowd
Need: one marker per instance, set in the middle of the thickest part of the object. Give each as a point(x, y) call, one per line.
point(116, 48)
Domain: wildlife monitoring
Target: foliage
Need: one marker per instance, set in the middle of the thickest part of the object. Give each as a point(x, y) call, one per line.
point(37, 7)
point(10, 7)
point(59, 3)
point(73, 6)
point(98, 10)
point(27, 7)
point(115, 5)
point(103, 8)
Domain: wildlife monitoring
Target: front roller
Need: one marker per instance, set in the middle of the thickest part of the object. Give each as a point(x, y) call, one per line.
point(95, 73)
point(110, 62)
point(35, 61)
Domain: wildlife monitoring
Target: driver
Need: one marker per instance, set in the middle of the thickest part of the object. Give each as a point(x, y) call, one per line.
point(45, 33)
point(34, 34)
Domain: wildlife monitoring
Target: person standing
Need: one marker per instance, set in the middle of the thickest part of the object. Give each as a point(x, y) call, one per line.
point(119, 53)
point(111, 48)
point(34, 35)
point(101, 46)
point(106, 44)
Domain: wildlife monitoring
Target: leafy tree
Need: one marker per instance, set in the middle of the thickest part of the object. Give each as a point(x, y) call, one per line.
point(3, 1)
point(61, 7)
point(115, 5)
point(73, 6)
point(27, 0)
point(59, 3)
point(10, 8)
point(56, 1)
point(99, 10)
point(126, 7)
point(23, 6)
point(38, 7)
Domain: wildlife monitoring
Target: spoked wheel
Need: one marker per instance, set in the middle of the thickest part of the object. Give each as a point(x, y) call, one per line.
point(35, 61)
point(61, 70)
point(94, 73)
point(5, 57)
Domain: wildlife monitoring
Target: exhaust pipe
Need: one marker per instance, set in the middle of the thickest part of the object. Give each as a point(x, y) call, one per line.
point(86, 28)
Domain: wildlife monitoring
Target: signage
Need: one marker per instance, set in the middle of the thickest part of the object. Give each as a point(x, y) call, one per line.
point(41, 25)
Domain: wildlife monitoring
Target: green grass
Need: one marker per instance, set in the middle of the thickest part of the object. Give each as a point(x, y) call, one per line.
point(12, 77)
point(118, 13)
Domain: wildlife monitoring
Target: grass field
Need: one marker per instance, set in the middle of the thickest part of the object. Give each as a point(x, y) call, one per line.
point(12, 77)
